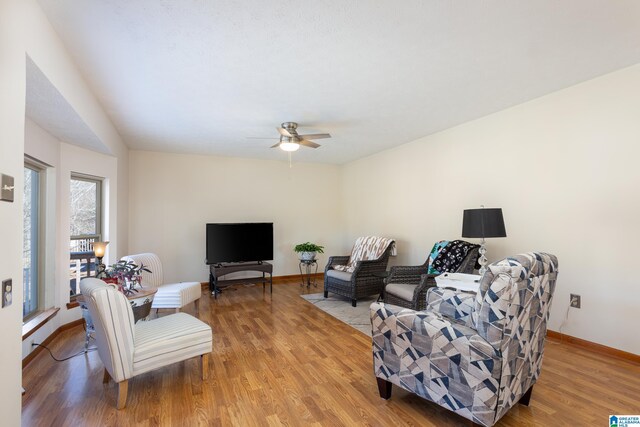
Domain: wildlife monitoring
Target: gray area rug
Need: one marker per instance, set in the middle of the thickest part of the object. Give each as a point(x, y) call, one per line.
point(340, 308)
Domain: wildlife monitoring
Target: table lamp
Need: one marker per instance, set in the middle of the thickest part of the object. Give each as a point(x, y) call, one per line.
point(482, 223)
point(99, 248)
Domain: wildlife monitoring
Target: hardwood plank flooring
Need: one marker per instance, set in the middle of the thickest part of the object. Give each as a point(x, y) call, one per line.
point(278, 360)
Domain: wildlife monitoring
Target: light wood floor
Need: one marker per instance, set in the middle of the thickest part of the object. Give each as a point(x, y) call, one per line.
point(280, 361)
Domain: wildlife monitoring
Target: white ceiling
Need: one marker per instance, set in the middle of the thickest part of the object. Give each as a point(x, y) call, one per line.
point(46, 106)
point(200, 76)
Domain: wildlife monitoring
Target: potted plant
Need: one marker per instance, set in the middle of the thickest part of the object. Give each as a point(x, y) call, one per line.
point(127, 274)
point(126, 277)
point(307, 251)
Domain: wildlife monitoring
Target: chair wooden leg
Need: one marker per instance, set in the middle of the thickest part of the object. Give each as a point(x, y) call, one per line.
point(354, 302)
point(204, 365)
point(326, 294)
point(106, 377)
point(524, 400)
point(384, 388)
point(123, 387)
point(196, 303)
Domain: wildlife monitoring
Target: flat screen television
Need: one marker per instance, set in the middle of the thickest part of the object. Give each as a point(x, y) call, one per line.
point(239, 242)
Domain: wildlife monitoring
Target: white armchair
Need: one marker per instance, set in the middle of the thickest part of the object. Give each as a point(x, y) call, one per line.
point(169, 295)
point(128, 349)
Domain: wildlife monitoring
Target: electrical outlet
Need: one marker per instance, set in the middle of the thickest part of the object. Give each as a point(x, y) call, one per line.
point(7, 292)
point(574, 300)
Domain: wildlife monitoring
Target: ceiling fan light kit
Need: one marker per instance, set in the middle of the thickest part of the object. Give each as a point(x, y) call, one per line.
point(289, 145)
point(290, 140)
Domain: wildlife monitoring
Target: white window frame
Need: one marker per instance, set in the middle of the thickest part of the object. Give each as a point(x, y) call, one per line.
point(33, 164)
point(99, 232)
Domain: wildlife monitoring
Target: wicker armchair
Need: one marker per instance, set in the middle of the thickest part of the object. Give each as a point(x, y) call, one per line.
point(366, 279)
point(407, 286)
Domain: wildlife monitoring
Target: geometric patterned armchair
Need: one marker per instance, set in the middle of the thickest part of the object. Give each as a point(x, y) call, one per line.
point(474, 354)
point(407, 286)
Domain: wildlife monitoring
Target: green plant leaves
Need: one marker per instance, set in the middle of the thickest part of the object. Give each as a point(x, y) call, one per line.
point(309, 247)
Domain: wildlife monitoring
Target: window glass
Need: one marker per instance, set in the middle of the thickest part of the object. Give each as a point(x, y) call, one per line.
point(85, 222)
point(84, 207)
point(30, 248)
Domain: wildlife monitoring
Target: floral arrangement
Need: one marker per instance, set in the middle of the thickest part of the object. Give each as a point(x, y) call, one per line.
point(127, 275)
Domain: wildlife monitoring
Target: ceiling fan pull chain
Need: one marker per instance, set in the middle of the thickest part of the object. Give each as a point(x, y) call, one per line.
point(290, 166)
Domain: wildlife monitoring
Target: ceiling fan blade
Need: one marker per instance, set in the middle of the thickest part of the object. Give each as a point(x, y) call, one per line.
point(277, 145)
point(309, 144)
point(315, 136)
point(284, 132)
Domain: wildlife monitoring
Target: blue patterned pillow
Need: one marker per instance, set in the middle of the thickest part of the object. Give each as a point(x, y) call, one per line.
point(434, 253)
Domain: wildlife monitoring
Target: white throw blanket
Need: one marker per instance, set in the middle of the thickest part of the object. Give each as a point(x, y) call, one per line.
point(365, 249)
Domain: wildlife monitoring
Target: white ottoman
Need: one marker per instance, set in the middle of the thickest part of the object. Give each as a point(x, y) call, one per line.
point(169, 295)
point(177, 295)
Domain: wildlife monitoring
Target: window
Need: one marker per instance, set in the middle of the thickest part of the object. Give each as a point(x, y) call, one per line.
point(86, 227)
point(31, 242)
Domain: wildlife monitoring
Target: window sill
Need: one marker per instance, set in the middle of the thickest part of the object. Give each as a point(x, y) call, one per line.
point(37, 322)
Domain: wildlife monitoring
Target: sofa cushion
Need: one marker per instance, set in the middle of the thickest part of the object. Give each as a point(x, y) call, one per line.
point(403, 291)
point(340, 275)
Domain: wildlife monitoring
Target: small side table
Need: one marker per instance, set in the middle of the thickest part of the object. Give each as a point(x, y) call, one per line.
point(308, 266)
point(140, 304)
point(459, 281)
point(89, 329)
point(383, 275)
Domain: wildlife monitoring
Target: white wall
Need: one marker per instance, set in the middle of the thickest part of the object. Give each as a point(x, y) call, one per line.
point(563, 167)
point(64, 160)
point(25, 30)
point(173, 196)
point(12, 104)
point(42, 146)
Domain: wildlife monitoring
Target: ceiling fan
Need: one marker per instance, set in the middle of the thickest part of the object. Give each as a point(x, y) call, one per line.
point(290, 140)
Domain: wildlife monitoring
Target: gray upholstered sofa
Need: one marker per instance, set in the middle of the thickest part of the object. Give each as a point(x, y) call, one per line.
point(474, 354)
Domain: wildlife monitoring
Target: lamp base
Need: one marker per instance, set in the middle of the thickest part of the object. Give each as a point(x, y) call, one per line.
point(100, 268)
point(482, 260)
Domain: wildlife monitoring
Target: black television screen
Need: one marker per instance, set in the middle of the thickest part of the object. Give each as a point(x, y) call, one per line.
point(239, 242)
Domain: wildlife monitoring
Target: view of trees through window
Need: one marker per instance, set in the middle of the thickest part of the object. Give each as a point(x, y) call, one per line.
point(84, 206)
point(85, 222)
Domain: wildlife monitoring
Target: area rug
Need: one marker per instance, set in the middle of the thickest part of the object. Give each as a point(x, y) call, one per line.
point(340, 308)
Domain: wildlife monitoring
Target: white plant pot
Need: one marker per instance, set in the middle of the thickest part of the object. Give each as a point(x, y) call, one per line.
point(307, 256)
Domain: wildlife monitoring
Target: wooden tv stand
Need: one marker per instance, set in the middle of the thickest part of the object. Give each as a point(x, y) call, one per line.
point(217, 271)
